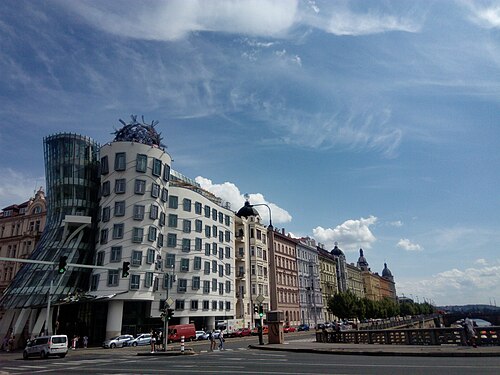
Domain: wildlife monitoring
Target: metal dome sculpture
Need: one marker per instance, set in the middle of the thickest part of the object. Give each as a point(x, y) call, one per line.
point(139, 132)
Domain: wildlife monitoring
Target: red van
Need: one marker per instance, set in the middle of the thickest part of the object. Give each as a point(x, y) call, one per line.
point(176, 331)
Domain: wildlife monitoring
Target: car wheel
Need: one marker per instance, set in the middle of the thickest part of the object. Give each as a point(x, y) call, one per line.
point(62, 355)
point(25, 355)
point(112, 346)
point(42, 355)
point(134, 344)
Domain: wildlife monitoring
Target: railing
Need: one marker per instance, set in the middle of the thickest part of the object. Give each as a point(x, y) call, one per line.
point(427, 336)
point(396, 322)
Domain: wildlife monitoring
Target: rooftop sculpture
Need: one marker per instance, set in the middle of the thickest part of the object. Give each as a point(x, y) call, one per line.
point(139, 132)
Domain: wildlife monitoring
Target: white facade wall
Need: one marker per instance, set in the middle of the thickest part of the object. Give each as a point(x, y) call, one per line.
point(125, 213)
point(199, 243)
point(311, 303)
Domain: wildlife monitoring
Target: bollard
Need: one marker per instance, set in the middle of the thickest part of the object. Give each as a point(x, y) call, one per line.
point(182, 344)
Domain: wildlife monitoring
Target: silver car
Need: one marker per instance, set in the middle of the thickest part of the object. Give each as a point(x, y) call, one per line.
point(117, 341)
point(141, 339)
point(45, 346)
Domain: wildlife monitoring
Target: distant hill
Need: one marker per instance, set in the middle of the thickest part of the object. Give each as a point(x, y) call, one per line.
point(467, 308)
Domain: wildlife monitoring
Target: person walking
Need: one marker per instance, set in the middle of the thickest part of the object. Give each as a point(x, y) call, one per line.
point(470, 334)
point(212, 341)
point(85, 341)
point(153, 341)
point(221, 340)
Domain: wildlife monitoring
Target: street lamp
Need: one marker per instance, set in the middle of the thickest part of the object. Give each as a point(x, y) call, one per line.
point(272, 272)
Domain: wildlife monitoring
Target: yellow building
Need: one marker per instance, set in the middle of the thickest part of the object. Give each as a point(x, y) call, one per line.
point(355, 280)
point(328, 279)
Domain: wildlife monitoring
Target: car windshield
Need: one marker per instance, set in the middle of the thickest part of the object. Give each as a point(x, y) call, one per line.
point(114, 338)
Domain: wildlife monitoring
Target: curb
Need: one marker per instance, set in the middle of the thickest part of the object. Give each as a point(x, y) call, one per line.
point(378, 352)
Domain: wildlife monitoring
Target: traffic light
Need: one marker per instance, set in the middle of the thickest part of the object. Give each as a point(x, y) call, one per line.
point(170, 313)
point(63, 263)
point(261, 311)
point(126, 269)
point(255, 309)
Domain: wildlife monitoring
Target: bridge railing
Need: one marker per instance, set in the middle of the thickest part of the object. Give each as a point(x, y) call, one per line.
point(396, 322)
point(421, 336)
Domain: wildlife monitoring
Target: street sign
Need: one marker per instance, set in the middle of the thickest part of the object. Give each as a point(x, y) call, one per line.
point(259, 299)
point(169, 301)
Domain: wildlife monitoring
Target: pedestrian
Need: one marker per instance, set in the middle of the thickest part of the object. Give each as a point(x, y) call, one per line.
point(159, 343)
point(153, 341)
point(470, 334)
point(221, 340)
point(10, 344)
point(74, 342)
point(212, 341)
point(85, 341)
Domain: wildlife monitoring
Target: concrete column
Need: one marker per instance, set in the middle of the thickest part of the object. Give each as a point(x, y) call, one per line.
point(114, 320)
point(210, 323)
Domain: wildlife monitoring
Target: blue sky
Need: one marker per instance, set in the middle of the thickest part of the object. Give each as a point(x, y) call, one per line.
point(371, 123)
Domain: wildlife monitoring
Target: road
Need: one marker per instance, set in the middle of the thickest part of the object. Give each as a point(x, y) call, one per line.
point(238, 359)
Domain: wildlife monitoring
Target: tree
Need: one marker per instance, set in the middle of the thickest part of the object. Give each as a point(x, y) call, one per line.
point(344, 305)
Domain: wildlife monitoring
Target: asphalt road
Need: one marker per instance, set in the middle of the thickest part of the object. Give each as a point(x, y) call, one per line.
point(238, 359)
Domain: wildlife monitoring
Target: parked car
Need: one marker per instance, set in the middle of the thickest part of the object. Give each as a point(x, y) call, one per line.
point(289, 329)
point(216, 334)
point(201, 335)
point(117, 341)
point(45, 346)
point(140, 339)
point(303, 327)
point(255, 331)
point(242, 332)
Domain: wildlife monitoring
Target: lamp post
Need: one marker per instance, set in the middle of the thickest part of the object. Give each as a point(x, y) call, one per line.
point(272, 273)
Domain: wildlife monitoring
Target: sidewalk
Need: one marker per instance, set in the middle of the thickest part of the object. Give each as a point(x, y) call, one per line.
point(383, 350)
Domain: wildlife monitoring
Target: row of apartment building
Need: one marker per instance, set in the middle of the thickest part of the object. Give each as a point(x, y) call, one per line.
point(122, 202)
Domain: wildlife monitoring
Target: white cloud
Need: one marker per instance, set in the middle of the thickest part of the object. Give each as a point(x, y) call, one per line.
point(406, 244)
point(16, 187)
point(229, 192)
point(485, 16)
point(351, 234)
point(175, 19)
point(481, 262)
point(397, 223)
point(456, 286)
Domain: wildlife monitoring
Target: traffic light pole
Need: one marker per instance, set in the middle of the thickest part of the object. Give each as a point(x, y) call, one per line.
point(261, 338)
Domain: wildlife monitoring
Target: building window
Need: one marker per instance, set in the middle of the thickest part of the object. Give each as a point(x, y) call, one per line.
point(148, 280)
point(155, 190)
point(214, 230)
point(228, 252)
point(172, 220)
point(118, 231)
point(227, 220)
point(221, 270)
point(214, 266)
point(171, 240)
point(173, 202)
point(197, 263)
point(228, 286)
point(136, 258)
point(137, 235)
point(159, 242)
point(135, 282)
point(104, 236)
point(166, 172)
point(198, 225)
point(141, 163)
point(186, 244)
point(214, 248)
point(105, 214)
point(120, 208)
point(208, 231)
point(185, 265)
point(207, 268)
point(194, 303)
point(167, 281)
point(94, 282)
point(206, 287)
point(113, 278)
point(179, 304)
point(140, 186)
point(214, 305)
point(207, 249)
point(221, 217)
point(181, 285)
point(164, 195)
point(150, 258)
point(197, 208)
point(138, 212)
point(198, 244)
point(228, 269)
point(186, 226)
point(214, 285)
point(104, 165)
point(120, 161)
point(228, 305)
point(152, 234)
point(221, 236)
point(100, 258)
point(116, 254)
point(227, 236)
point(214, 214)
point(186, 204)
point(120, 185)
point(153, 212)
point(162, 219)
point(221, 253)
point(105, 188)
point(156, 171)
point(207, 211)
point(221, 304)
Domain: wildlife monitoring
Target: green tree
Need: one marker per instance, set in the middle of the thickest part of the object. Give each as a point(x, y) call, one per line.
point(344, 305)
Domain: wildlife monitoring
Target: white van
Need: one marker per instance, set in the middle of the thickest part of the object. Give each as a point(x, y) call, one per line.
point(45, 346)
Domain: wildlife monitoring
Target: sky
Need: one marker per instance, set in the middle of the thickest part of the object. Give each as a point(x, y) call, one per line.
point(373, 124)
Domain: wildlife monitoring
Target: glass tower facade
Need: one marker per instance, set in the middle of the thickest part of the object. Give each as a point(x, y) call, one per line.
point(71, 168)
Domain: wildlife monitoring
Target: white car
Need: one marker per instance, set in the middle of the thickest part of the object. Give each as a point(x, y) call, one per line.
point(45, 346)
point(141, 339)
point(117, 341)
point(201, 335)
